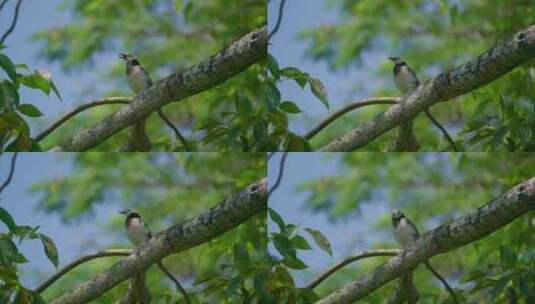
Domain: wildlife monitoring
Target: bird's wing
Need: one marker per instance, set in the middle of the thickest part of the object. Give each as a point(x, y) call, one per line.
point(416, 81)
point(148, 230)
point(148, 76)
point(413, 226)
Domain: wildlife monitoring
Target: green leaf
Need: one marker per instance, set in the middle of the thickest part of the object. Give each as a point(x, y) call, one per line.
point(294, 263)
point(497, 140)
point(284, 246)
point(319, 91)
point(9, 253)
point(273, 95)
point(187, 11)
point(29, 110)
point(300, 243)
point(273, 67)
point(299, 77)
point(56, 91)
point(50, 249)
point(37, 81)
point(10, 95)
point(24, 232)
point(8, 274)
point(241, 257)
point(7, 65)
point(320, 240)
point(6, 218)
point(277, 219)
point(289, 107)
point(508, 257)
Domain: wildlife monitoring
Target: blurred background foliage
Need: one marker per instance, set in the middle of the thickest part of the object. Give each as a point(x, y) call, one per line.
point(431, 189)
point(165, 189)
point(432, 36)
point(166, 36)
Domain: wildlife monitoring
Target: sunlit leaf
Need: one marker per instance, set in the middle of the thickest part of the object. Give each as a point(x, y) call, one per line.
point(50, 249)
point(320, 240)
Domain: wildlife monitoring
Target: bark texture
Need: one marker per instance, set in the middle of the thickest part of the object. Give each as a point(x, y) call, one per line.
point(208, 73)
point(208, 225)
point(467, 229)
point(495, 62)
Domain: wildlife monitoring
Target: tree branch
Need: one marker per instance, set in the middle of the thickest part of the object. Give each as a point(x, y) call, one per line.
point(348, 108)
point(465, 230)
point(495, 62)
point(361, 255)
point(11, 172)
point(89, 257)
point(233, 211)
point(80, 108)
point(13, 23)
point(372, 101)
point(279, 20)
point(137, 292)
point(2, 5)
point(175, 130)
point(281, 173)
point(208, 73)
point(175, 280)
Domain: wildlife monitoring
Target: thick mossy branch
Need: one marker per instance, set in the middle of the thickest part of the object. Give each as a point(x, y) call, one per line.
point(474, 74)
point(208, 73)
point(233, 211)
point(465, 230)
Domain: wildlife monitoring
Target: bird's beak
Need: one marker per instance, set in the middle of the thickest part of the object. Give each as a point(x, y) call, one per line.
point(392, 58)
point(125, 212)
point(122, 56)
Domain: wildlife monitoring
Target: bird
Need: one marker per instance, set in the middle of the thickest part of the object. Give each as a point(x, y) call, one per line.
point(405, 231)
point(138, 233)
point(138, 79)
point(407, 81)
point(405, 78)
point(406, 234)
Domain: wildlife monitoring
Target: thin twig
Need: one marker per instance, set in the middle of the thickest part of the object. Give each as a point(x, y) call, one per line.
point(350, 107)
point(68, 267)
point(279, 20)
point(279, 177)
point(83, 107)
point(13, 23)
point(442, 129)
point(177, 283)
point(2, 5)
point(365, 254)
point(11, 171)
point(175, 129)
point(373, 101)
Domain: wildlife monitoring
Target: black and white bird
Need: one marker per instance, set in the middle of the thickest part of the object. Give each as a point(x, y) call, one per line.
point(138, 232)
point(138, 79)
point(405, 78)
point(406, 233)
point(136, 229)
point(404, 229)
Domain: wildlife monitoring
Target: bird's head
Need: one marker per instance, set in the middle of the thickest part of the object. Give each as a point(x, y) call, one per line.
point(397, 216)
point(129, 58)
point(129, 213)
point(397, 60)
